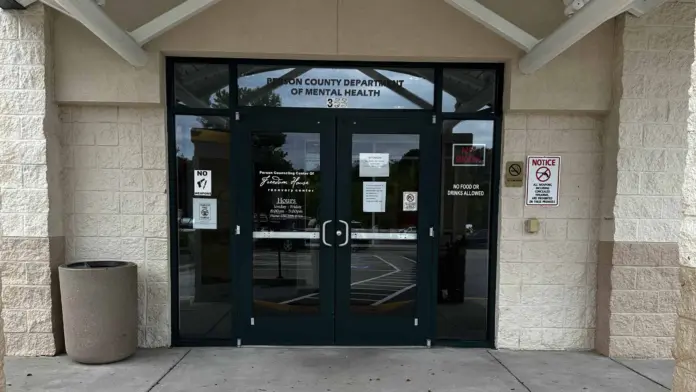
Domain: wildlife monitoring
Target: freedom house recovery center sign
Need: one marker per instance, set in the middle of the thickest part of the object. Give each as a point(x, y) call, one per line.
point(542, 180)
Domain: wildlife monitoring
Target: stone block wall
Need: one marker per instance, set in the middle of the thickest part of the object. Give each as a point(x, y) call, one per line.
point(637, 298)
point(685, 347)
point(31, 232)
point(115, 184)
point(645, 150)
point(547, 280)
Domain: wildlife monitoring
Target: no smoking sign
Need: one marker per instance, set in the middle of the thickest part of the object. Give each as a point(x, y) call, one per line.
point(514, 175)
point(543, 175)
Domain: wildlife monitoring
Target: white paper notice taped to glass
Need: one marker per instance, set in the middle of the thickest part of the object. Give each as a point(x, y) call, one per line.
point(374, 165)
point(202, 183)
point(205, 214)
point(410, 202)
point(374, 196)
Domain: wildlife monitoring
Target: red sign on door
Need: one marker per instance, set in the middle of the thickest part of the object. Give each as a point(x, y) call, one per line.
point(468, 155)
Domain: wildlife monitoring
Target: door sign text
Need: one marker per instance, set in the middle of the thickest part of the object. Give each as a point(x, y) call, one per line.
point(468, 155)
point(542, 181)
point(410, 202)
point(374, 196)
point(295, 181)
point(374, 165)
point(202, 182)
point(205, 214)
point(465, 190)
point(286, 208)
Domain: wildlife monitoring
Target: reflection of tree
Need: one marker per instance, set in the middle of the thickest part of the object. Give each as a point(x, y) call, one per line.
point(268, 152)
point(258, 97)
point(247, 97)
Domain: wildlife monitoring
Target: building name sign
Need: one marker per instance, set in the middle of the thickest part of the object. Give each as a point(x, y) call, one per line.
point(328, 87)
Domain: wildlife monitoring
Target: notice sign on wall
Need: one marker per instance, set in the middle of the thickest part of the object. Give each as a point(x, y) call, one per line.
point(542, 180)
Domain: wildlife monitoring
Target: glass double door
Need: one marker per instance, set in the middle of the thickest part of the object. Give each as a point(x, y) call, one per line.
point(336, 230)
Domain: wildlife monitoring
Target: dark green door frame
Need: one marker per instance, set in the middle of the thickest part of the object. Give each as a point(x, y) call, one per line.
point(335, 324)
point(401, 329)
point(316, 328)
point(240, 178)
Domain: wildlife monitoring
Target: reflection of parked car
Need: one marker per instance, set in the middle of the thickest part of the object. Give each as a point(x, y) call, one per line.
point(451, 268)
point(286, 225)
point(358, 244)
point(477, 240)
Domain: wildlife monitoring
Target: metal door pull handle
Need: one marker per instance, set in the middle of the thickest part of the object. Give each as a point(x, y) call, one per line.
point(347, 233)
point(323, 233)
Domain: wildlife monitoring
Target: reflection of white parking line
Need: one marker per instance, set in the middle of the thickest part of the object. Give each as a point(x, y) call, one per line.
point(369, 294)
point(387, 298)
point(298, 299)
point(396, 269)
point(411, 260)
point(382, 285)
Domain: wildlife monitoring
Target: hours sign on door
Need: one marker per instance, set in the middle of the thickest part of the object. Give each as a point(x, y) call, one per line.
point(542, 180)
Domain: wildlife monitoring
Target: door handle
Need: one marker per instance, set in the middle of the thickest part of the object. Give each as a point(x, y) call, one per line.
point(323, 233)
point(347, 233)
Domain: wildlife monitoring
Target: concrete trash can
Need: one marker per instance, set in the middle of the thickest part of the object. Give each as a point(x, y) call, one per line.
point(100, 310)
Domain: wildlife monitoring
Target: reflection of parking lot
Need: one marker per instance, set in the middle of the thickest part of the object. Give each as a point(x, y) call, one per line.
point(476, 285)
point(376, 277)
point(382, 277)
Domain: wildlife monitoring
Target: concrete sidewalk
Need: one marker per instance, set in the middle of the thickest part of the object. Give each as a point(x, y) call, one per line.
point(342, 369)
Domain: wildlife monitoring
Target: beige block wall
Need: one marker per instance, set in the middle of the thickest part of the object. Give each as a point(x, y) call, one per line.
point(547, 280)
point(115, 185)
point(418, 30)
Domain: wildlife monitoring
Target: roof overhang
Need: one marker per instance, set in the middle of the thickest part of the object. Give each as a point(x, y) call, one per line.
point(587, 15)
point(12, 5)
point(127, 44)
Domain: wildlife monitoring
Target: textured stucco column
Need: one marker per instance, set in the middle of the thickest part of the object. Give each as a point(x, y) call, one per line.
point(3, 381)
point(31, 241)
point(685, 351)
point(644, 147)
